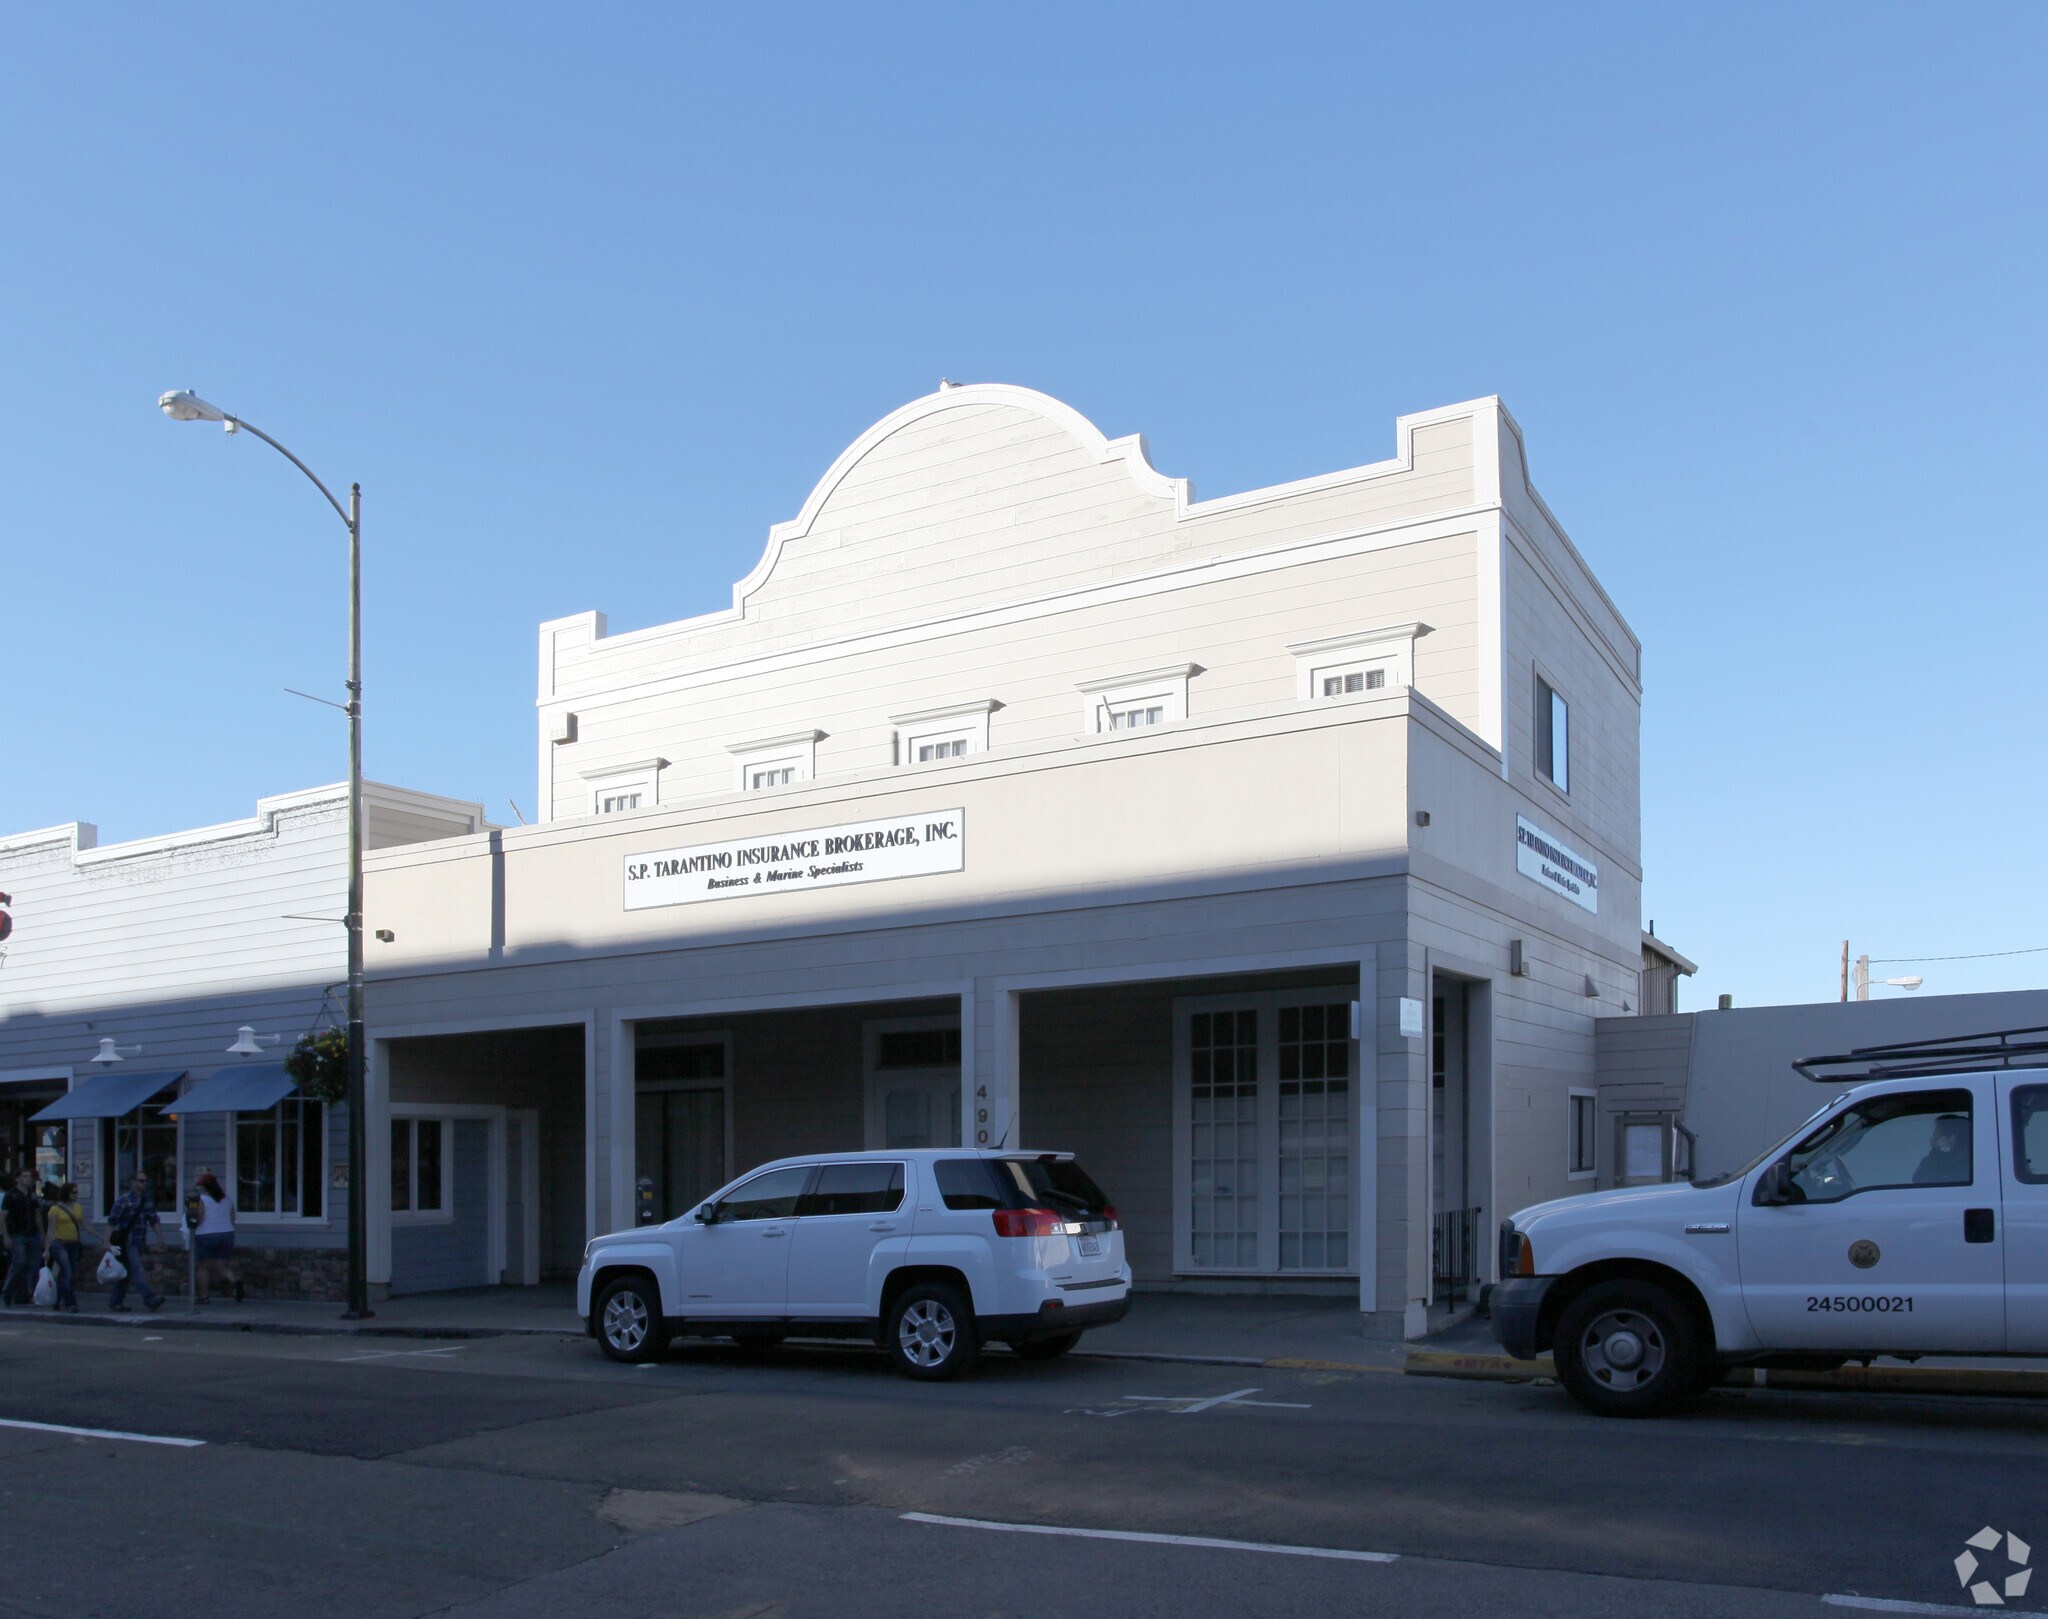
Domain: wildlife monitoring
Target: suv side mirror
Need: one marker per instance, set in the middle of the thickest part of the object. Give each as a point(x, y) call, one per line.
point(1774, 1185)
point(706, 1214)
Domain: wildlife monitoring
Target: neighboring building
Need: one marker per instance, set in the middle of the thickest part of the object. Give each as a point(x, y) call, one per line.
point(1727, 1076)
point(1275, 853)
point(171, 944)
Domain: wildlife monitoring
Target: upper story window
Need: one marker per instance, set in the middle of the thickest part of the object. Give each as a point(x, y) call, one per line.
point(774, 761)
point(614, 789)
point(1356, 665)
point(1553, 737)
point(934, 735)
point(1137, 702)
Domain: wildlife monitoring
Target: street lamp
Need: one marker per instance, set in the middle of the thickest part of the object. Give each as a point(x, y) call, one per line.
point(182, 405)
point(1863, 980)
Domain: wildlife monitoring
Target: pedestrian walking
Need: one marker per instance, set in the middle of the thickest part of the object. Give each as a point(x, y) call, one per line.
point(63, 1237)
point(214, 1240)
point(21, 1212)
point(128, 1229)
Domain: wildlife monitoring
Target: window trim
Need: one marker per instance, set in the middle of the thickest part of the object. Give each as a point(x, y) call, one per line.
point(1167, 686)
point(957, 721)
point(233, 1156)
point(798, 749)
point(1579, 1093)
point(640, 775)
point(1542, 724)
point(445, 1214)
point(1392, 646)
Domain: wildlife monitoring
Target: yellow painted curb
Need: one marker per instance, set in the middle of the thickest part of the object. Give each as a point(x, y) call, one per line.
point(1323, 1366)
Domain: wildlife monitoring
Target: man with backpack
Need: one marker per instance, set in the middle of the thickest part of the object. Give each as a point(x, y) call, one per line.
point(128, 1229)
point(21, 1211)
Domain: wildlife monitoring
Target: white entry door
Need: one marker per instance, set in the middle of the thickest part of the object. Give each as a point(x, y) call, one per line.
point(913, 1083)
point(1892, 1239)
point(738, 1264)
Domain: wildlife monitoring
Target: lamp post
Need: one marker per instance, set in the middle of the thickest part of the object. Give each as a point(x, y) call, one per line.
point(184, 406)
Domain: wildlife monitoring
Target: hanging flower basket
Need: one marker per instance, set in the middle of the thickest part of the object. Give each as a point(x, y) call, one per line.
point(319, 1064)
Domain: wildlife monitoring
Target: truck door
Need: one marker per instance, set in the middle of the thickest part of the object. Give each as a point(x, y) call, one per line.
point(2024, 1112)
point(1889, 1235)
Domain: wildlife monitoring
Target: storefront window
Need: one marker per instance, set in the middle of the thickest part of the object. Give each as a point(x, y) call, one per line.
point(146, 1140)
point(280, 1160)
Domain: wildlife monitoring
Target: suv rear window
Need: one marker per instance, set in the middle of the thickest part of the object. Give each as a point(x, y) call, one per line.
point(1058, 1182)
point(965, 1183)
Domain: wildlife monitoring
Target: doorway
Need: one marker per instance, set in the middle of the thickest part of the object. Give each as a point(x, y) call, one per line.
point(682, 1121)
point(913, 1083)
point(1454, 1221)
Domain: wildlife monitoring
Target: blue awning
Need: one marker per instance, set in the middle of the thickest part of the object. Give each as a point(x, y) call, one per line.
point(108, 1096)
point(260, 1086)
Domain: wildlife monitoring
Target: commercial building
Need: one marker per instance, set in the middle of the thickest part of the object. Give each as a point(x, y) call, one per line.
point(1275, 853)
point(151, 956)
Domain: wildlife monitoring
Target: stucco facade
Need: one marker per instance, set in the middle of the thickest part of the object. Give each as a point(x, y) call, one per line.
point(1020, 785)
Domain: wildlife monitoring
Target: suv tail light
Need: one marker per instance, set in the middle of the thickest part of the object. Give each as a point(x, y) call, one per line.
point(1031, 1223)
point(1109, 1214)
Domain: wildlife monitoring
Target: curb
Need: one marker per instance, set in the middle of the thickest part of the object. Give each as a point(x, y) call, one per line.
point(2000, 1381)
point(162, 1320)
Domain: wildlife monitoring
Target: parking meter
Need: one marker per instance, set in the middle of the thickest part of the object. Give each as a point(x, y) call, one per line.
point(645, 1212)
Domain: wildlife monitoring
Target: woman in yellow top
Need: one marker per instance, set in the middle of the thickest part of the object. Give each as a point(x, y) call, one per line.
point(63, 1232)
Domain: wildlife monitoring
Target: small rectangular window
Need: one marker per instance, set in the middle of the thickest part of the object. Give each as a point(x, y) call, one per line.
point(774, 776)
point(1553, 737)
point(2030, 1133)
point(950, 748)
point(613, 803)
point(1585, 1116)
point(1132, 719)
point(1344, 682)
point(917, 1048)
point(416, 1165)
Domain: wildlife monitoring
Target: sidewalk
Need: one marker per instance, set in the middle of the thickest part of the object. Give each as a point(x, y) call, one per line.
point(1226, 1330)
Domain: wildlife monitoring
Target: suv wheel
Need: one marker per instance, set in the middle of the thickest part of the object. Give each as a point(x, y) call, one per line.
point(930, 1332)
point(1627, 1349)
point(1045, 1348)
point(629, 1327)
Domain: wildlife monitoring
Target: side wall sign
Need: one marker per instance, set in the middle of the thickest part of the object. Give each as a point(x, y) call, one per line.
point(826, 857)
point(1557, 866)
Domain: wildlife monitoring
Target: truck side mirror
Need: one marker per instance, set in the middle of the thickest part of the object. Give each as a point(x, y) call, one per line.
point(1774, 1185)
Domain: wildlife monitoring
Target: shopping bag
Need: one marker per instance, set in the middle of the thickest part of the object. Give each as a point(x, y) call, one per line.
point(46, 1286)
point(111, 1269)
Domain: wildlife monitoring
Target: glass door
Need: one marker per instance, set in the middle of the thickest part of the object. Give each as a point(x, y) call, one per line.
point(1266, 1126)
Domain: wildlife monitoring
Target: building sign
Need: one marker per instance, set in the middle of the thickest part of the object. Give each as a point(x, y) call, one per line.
point(1541, 858)
point(862, 852)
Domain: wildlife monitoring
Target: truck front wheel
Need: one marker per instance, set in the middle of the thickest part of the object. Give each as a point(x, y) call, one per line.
point(1627, 1349)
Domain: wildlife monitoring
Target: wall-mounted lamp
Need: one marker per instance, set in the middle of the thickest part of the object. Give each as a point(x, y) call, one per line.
point(1518, 960)
point(248, 1043)
point(109, 1053)
point(1592, 989)
point(1422, 817)
point(385, 936)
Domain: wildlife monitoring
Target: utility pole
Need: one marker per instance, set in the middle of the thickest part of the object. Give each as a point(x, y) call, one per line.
point(1863, 978)
point(1845, 969)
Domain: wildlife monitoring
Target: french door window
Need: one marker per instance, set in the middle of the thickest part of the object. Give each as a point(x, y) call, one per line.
point(281, 1160)
point(1266, 1133)
point(419, 1168)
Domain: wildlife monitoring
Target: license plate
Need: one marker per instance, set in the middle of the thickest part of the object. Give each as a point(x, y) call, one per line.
point(1091, 1247)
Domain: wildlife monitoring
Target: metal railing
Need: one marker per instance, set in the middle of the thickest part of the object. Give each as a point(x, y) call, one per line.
point(1453, 1254)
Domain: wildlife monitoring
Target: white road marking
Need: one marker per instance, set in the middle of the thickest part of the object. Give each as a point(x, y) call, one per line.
point(102, 1433)
point(1888, 1605)
point(400, 1354)
point(1146, 1539)
point(1190, 1404)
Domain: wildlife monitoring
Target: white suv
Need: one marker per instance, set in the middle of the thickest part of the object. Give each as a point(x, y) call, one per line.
point(928, 1252)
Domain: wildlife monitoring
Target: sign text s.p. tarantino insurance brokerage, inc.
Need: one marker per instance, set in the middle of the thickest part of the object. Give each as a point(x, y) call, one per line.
point(823, 857)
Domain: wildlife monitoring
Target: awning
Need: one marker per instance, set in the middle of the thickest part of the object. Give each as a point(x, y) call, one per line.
point(260, 1086)
point(108, 1096)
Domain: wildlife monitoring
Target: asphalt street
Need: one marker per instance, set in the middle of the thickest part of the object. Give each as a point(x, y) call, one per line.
point(373, 1477)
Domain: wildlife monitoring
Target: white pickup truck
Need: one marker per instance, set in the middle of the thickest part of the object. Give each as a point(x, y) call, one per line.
point(1907, 1217)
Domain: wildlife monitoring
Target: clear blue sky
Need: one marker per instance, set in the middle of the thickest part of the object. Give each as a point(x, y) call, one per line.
point(589, 297)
